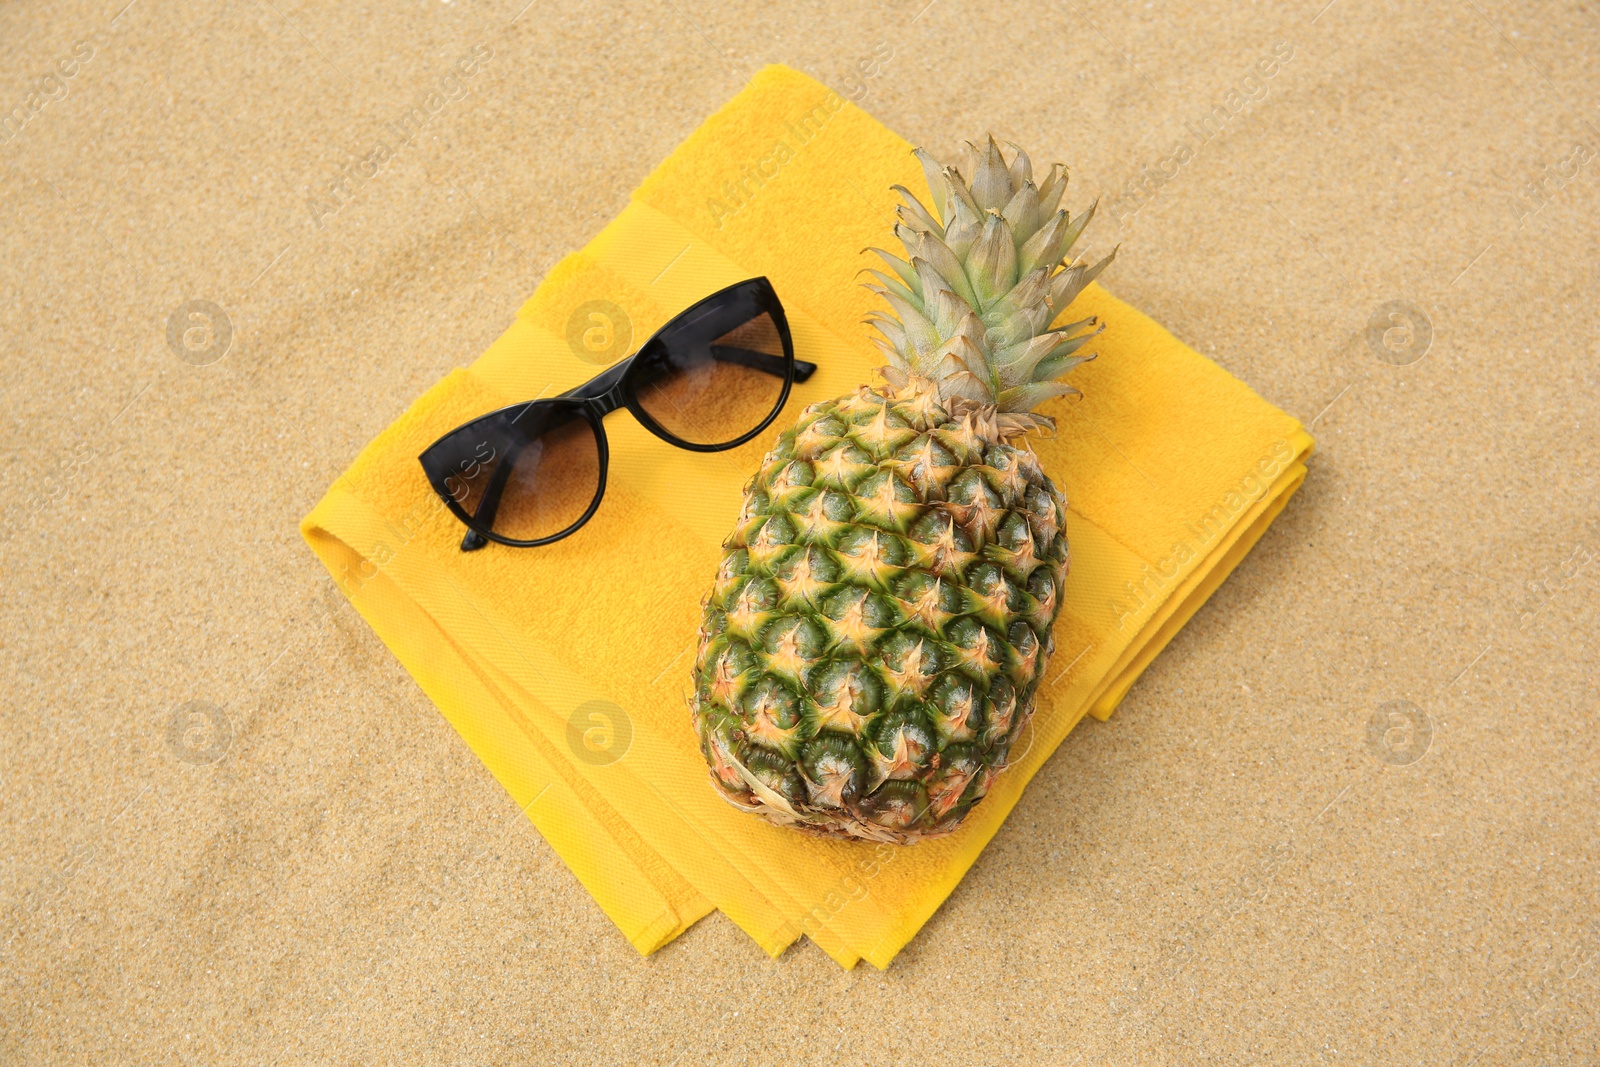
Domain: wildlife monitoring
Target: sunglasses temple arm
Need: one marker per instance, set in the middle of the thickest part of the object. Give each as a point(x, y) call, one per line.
point(490, 502)
point(760, 361)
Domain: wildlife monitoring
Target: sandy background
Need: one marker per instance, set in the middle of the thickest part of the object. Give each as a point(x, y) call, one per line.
point(1234, 869)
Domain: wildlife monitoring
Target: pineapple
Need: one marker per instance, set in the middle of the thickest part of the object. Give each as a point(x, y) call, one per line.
point(881, 618)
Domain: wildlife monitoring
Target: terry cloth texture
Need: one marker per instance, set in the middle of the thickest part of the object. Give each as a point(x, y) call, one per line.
point(566, 667)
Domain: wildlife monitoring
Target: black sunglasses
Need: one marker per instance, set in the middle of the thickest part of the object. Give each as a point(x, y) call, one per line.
point(711, 379)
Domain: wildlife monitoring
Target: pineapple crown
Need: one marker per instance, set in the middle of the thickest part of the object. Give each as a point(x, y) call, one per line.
point(985, 275)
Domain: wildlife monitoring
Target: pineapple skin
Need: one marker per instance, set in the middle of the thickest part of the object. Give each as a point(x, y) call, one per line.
point(872, 646)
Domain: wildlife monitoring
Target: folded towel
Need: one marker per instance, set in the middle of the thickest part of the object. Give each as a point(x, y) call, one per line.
point(566, 667)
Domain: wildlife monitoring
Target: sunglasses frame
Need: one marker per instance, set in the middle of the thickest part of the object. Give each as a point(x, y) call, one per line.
point(613, 389)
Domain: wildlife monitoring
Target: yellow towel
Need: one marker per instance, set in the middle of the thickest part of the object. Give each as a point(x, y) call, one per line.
point(566, 667)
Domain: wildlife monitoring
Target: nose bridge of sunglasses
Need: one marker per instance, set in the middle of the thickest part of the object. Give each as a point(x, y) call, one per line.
point(607, 383)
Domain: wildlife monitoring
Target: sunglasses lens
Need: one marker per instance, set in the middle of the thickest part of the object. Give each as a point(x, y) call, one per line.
point(528, 476)
point(710, 383)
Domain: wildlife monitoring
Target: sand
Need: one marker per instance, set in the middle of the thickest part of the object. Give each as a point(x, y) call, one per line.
point(1347, 816)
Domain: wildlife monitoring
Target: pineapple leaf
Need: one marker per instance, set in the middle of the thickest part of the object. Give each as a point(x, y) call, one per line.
point(992, 262)
point(964, 230)
point(1043, 249)
point(906, 272)
point(919, 331)
point(1065, 287)
point(1015, 364)
point(967, 385)
point(1029, 290)
point(936, 187)
point(959, 193)
point(894, 285)
point(944, 263)
point(983, 278)
point(1022, 213)
point(1028, 397)
point(890, 352)
point(920, 219)
point(971, 160)
point(1050, 190)
point(889, 326)
point(1021, 166)
point(1053, 368)
point(1076, 228)
point(896, 375)
point(1065, 346)
point(948, 311)
point(991, 185)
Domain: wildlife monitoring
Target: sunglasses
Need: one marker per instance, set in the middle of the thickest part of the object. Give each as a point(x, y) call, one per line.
point(709, 380)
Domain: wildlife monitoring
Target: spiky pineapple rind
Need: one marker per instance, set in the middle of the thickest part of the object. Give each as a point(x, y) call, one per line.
point(873, 642)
